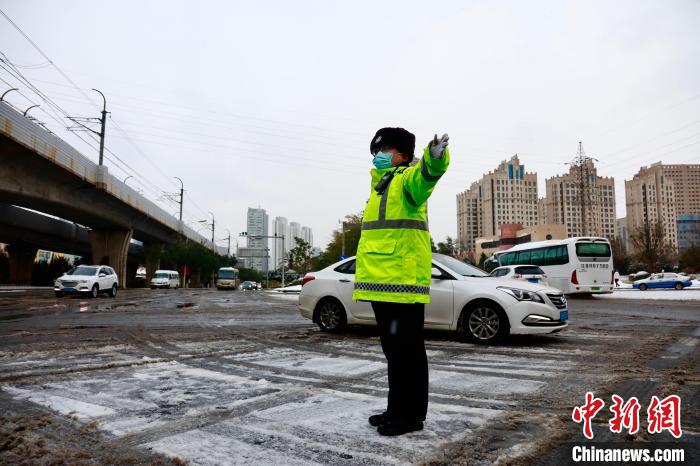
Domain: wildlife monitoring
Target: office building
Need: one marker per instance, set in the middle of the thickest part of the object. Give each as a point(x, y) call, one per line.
point(688, 226)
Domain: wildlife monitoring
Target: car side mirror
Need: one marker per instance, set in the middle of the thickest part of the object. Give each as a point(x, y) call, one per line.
point(102, 275)
point(436, 273)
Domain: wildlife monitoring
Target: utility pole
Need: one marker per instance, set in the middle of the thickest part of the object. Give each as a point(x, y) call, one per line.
point(182, 191)
point(582, 164)
point(103, 122)
point(213, 223)
point(342, 253)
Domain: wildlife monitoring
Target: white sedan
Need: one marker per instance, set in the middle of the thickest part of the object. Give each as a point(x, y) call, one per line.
point(529, 273)
point(88, 280)
point(463, 298)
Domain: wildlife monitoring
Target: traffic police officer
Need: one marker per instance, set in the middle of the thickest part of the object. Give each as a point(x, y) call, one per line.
point(393, 268)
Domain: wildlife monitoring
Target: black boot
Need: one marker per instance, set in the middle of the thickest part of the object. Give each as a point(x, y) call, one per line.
point(378, 419)
point(394, 427)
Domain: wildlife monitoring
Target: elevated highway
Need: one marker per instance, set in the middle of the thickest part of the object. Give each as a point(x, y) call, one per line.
point(40, 171)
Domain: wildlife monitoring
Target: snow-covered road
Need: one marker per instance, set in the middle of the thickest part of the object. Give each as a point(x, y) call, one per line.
point(243, 379)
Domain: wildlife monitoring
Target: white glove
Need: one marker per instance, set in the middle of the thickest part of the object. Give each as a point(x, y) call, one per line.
point(438, 146)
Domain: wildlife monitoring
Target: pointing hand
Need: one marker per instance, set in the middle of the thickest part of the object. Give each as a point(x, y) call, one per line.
point(438, 146)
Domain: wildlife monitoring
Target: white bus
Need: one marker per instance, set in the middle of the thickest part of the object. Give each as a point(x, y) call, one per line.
point(572, 265)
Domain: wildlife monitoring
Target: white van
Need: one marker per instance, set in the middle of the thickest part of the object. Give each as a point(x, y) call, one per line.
point(165, 279)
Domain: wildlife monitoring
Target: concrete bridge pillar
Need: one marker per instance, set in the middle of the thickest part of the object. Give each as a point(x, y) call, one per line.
point(152, 251)
point(21, 257)
point(110, 247)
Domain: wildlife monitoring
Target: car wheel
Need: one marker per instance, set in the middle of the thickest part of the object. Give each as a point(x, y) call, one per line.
point(679, 286)
point(113, 291)
point(642, 287)
point(331, 316)
point(484, 323)
point(94, 291)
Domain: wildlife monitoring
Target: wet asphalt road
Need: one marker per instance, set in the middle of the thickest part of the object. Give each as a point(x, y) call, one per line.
point(213, 377)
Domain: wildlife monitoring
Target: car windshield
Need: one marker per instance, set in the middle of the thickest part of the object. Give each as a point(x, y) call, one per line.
point(161, 275)
point(226, 274)
point(458, 266)
point(82, 270)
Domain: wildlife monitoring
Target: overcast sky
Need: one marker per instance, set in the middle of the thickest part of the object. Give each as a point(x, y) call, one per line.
point(273, 103)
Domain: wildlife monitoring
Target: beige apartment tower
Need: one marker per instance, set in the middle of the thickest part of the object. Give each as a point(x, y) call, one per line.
point(661, 193)
point(582, 200)
point(506, 195)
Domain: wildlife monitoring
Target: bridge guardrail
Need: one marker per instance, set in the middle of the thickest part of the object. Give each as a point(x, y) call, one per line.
point(18, 127)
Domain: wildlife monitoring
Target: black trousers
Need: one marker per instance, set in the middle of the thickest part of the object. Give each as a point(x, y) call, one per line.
point(401, 334)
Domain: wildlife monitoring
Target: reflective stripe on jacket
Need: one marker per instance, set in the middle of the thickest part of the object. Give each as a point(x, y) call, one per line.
point(394, 258)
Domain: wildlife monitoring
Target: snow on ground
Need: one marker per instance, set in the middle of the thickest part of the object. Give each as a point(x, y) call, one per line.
point(286, 296)
point(687, 294)
point(280, 405)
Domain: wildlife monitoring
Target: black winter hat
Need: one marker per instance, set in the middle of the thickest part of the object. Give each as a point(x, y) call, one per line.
point(398, 138)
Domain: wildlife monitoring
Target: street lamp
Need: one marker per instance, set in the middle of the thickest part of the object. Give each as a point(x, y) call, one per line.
point(213, 222)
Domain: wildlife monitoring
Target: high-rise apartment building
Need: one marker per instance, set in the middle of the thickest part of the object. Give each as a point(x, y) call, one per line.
point(257, 251)
point(686, 185)
point(582, 200)
point(294, 232)
point(542, 211)
point(307, 235)
point(623, 232)
point(280, 225)
point(669, 194)
point(650, 198)
point(506, 195)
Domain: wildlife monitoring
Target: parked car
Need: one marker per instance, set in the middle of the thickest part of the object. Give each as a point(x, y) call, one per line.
point(663, 280)
point(89, 280)
point(462, 299)
point(529, 273)
point(249, 286)
point(165, 279)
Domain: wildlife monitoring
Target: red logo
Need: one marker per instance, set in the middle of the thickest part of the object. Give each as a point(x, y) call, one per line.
point(661, 415)
point(665, 415)
point(587, 412)
point(625, 415)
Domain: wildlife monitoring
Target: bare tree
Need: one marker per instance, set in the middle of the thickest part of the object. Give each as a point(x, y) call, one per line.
point(650, 248)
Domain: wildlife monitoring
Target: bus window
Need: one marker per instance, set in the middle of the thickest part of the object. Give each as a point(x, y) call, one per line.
point(536, 256)
point(524, 257)
point(563, 255)
point(592, 249)
point(550, 255)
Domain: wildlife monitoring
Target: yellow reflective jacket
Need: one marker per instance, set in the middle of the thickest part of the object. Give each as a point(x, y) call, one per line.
point(394, 256)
